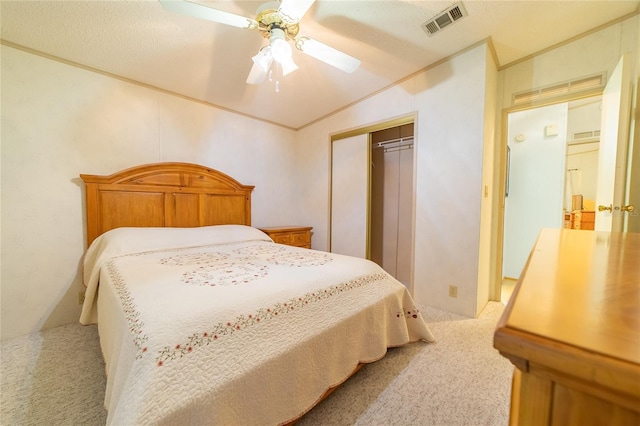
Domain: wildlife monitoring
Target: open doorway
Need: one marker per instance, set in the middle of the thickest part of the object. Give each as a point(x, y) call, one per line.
point(614, 210)
point(583, 149)
point(551, 180)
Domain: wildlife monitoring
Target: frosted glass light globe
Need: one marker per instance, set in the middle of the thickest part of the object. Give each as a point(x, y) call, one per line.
point(280, 50)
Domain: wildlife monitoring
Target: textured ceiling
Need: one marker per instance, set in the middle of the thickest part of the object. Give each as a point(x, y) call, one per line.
point(141, 41)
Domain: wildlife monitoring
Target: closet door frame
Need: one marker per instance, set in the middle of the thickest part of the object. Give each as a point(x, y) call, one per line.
point(392, 122)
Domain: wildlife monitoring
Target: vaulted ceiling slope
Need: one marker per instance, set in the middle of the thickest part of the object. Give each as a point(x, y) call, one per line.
point(207, 61)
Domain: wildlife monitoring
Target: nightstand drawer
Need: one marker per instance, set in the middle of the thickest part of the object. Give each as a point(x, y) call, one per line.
point(301, 239)
point(299, 236)
point(282, 238)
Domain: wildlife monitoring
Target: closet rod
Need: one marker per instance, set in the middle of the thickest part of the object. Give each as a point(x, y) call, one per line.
point(398, 140)
point(398, 148)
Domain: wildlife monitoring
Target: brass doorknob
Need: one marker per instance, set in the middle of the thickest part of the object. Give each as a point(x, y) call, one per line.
point(628, 208)
point(603, 208)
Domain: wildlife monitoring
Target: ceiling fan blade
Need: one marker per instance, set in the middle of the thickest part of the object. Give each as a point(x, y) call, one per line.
point(204, 12)
point(327, 54)
point(293, 10)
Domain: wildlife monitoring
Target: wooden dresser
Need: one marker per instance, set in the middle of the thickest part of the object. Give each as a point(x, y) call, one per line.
point(580, 219)
point(572, 329)
point(299, 236)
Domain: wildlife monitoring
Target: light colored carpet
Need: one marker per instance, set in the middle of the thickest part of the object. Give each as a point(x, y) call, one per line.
point(56, 377)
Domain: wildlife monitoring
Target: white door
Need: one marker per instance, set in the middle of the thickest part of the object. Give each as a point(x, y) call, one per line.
point(350, 160)
point(614, 142)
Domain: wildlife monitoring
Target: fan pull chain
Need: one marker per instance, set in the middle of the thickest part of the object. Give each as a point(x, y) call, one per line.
point(277, 85)
point(277, 79)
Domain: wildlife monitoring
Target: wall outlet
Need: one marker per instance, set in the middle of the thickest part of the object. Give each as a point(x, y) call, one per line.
point(80, 297)
point(453, 291)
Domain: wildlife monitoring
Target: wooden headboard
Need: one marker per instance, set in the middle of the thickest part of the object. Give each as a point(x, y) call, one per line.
point(164, 195)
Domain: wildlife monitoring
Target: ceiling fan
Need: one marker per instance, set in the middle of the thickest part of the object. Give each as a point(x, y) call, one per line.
point(278, 22)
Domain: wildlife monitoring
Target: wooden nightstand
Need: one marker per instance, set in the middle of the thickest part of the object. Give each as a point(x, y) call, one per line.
point(298, 236)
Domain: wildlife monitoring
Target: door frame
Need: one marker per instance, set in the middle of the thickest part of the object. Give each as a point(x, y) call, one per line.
point(373, 127)
point(498, 234)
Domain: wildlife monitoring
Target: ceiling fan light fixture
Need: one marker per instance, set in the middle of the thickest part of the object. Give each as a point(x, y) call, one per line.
point(256, 75)
point(280, 48)
point(281, 51)
point(263, 58)
point(288, 66)
point(278, 22)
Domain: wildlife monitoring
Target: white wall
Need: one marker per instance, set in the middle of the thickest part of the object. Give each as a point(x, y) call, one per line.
point(584, 116)
point(59, 121)
point(449, 100)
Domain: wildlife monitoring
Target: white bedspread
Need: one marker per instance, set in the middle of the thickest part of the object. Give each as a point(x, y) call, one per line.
point(219, 325)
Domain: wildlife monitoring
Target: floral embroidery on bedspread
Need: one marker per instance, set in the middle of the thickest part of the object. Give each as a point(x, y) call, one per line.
point(131, 312)
point(242, 322)
point(194, 259)
point(250, 263)
point(216, 268)
point(409, 313)
point(284, 256)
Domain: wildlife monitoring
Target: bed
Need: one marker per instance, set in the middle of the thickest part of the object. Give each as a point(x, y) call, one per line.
point(203, 319)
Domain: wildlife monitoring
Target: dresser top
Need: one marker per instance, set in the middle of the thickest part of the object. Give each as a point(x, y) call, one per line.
point(581, 288)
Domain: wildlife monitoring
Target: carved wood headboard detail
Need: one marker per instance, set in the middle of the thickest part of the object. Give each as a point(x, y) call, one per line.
point(164, 195)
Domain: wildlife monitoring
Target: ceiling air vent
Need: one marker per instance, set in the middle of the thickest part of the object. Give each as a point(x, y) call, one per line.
point(444, 19)
point(586, 135)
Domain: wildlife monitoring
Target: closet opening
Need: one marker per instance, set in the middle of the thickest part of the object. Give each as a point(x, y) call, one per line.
point(391, 214)
point(372, 195)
